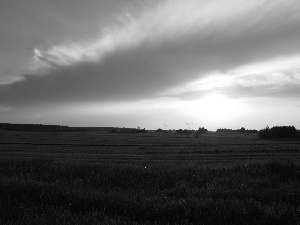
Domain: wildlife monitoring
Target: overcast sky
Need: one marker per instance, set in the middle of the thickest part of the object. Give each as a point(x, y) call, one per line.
point(159, 63)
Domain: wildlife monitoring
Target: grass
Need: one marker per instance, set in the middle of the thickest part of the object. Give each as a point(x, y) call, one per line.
point(56, 192)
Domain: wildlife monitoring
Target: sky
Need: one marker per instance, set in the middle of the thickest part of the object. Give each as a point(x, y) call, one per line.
point(154, 64)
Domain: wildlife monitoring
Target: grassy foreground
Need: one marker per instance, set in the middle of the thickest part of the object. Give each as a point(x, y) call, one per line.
point(52, 192)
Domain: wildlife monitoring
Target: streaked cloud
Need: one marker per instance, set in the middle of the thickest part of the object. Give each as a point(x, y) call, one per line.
point(4, 109)
point(200, 25)
point(9, 79)
point(272, 76)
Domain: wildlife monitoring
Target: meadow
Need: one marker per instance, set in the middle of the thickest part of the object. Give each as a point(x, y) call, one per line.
point(148, 178)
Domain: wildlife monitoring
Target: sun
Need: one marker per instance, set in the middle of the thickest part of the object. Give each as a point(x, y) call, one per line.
point(216, 107)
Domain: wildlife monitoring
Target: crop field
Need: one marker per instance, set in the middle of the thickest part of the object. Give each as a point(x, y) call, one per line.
point(103, 146)
point(148, 178)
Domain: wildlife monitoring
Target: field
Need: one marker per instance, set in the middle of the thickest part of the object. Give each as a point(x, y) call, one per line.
point(148, 147)
point(148, 178)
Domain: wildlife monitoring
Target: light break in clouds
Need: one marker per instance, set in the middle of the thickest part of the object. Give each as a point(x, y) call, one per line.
point(174, 53)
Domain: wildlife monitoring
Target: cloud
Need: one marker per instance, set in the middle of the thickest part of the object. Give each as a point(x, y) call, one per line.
point(167, 44)
point(277, 75)
point(4, 109)
point(181, 22)
point(9, 79)
point(276, 78)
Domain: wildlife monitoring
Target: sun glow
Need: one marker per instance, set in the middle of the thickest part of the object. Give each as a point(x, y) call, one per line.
point(216, 108)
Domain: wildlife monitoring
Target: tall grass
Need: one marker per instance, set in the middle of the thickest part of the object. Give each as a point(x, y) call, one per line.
point(49, 192)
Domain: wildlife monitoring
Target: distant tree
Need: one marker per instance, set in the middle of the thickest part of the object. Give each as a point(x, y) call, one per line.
point(179, 131)
point(224, 130)
point(159, 130)
point(278, 132)
point(202, 130)
point(242, 130)
point(185, 131)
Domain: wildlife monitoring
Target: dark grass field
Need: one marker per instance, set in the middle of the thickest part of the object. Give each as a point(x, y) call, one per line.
point(151, 178)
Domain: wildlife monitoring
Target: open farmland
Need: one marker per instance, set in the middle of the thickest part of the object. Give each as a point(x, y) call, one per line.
point(151, 178)
point(99, 146)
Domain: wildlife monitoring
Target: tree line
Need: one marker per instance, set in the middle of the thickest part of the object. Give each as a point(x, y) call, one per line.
point(279, 132)
point(242, 130)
